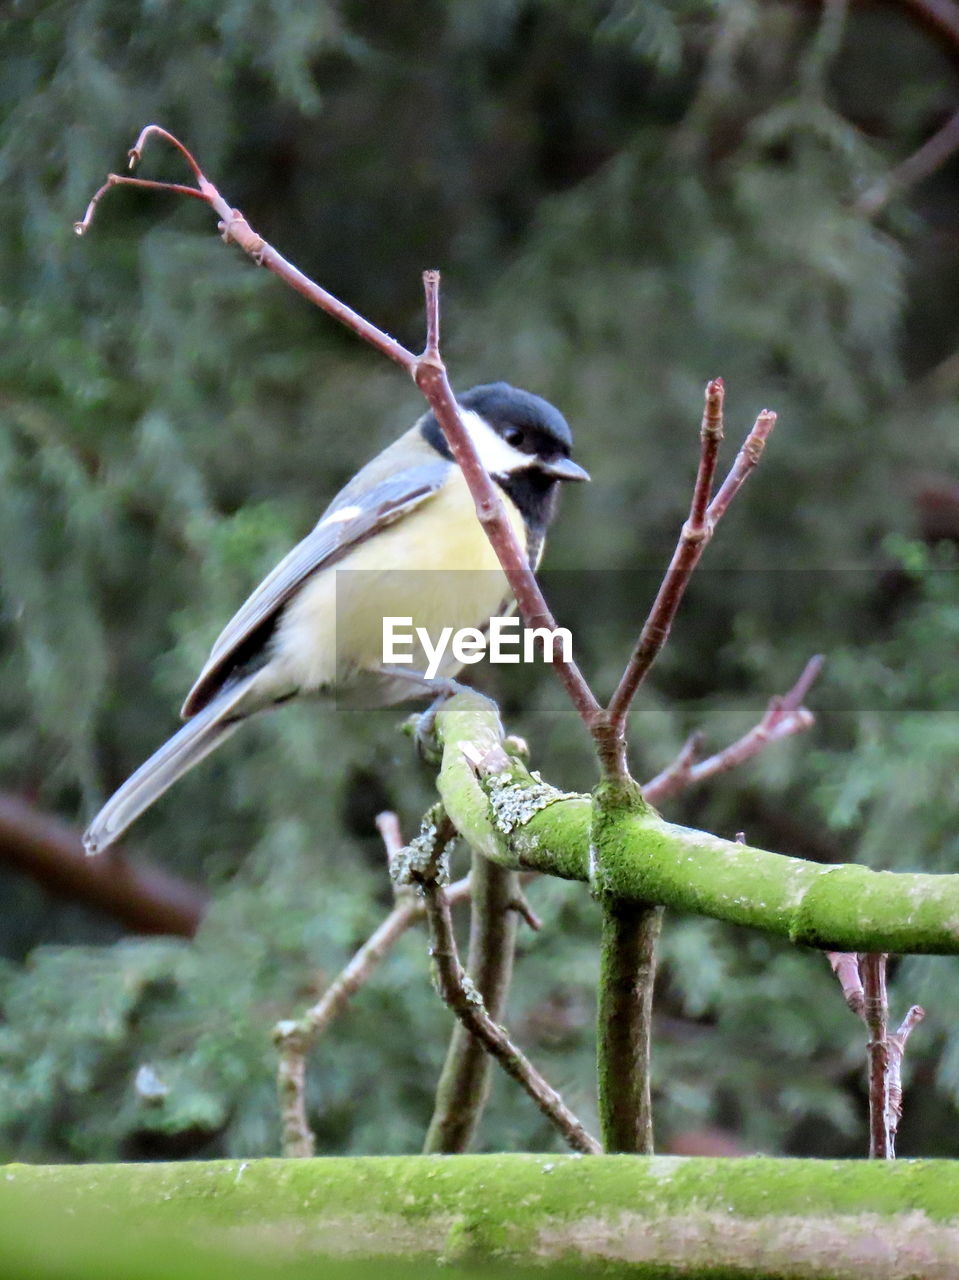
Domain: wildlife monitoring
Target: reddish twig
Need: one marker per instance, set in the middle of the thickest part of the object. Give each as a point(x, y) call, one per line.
point(430, 376)
point(863, 982)
point(784, 716)
point(746, 459)
point(236, 230)
point(696, 533)
point(675, 777)
point(874, 1013)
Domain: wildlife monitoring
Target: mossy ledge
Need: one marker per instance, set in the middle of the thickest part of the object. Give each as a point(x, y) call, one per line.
point(645, 1216)
point(646, 859)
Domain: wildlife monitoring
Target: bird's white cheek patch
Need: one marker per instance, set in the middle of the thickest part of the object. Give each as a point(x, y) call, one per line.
point(498, 457)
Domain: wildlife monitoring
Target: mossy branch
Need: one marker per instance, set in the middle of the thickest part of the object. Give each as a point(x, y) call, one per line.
point(521, 822)
point(608, 1215)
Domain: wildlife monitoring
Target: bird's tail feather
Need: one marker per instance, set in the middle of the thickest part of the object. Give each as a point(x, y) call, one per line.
point(198, 737)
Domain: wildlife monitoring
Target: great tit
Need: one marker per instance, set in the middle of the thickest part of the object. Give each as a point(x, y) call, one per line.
point(394, 542)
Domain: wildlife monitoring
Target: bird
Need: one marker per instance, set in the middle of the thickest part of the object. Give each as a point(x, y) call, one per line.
point(401, 539)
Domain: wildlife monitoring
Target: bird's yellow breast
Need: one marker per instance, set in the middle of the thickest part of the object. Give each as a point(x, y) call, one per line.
point(434, 566)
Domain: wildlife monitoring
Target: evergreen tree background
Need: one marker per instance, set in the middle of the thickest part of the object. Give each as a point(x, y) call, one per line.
point(625, 199)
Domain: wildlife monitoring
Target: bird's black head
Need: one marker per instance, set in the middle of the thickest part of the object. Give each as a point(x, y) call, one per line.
point(523, 441)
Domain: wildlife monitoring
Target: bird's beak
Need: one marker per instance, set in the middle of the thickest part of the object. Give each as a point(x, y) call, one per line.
point(564, 469)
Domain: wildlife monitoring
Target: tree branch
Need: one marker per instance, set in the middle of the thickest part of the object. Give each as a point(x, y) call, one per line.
point(144, 899)
point(522, 822)
point(783, 717)
point(422, 866)
point(696, 534)
point(295, 1038)
point(465, 1080)
point(863, 982)
point(924, 162)
point(625, 1016)
point(430, 376)
point(941, 16)
point(874, 1011)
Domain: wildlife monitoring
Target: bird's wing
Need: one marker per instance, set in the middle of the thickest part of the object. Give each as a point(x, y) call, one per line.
point(351, 518)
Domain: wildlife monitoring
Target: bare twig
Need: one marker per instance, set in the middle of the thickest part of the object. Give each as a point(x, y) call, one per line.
point(695, 535)
point(863, 982)
point(676, 776)
point(746, 459)
point(464, 1082)
point(459, 994)
point(875, 1007)
point(845, 965)
point(145, 899)
point(521, 906)
point(295, 1038)
point(783, 717)
point(897, 1047)
point(429, 375)
point(924, 162)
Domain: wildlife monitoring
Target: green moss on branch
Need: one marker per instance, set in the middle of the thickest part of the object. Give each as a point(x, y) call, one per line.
point(645, 859)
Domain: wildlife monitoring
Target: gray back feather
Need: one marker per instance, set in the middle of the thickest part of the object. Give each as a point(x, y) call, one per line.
point(372, 500)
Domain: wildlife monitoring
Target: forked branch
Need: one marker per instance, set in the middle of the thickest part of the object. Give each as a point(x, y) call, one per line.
point(422, 866)
point(696, 533)
point(784, 716)
point(863, 982)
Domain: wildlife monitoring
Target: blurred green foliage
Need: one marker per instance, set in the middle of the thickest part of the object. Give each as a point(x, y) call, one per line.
point(625, 199)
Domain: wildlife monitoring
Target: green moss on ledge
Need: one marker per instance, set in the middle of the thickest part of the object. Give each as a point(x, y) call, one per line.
point(657, 1216)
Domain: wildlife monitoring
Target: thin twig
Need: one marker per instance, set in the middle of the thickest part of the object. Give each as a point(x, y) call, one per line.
point(295, 1038)
point(897, 1047)
point(845, 965)
point(783, 717)
point(675, 777)
point(942, 16)
point(863, 982)
point(746, 459)
point(236, 230)
point(464, 1084)
point(430, 376)
point(521, 906)
point(924, 162)
point(875, 1010)
point(462, 998)
point(696, 533)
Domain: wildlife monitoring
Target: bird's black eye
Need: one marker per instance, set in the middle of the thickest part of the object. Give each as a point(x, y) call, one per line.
point(514, 436)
